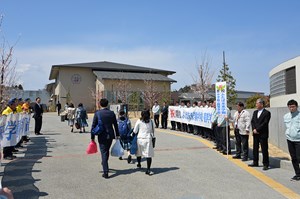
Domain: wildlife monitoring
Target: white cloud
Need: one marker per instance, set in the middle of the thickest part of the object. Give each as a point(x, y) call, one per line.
point(34, 64)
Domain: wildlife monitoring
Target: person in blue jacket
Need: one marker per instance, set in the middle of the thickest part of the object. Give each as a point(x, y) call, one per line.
point(292, 123)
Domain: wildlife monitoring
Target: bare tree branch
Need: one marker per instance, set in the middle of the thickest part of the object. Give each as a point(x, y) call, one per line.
point(203, 78)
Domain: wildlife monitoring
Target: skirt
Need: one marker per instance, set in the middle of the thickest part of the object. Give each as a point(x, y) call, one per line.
point(145, 148)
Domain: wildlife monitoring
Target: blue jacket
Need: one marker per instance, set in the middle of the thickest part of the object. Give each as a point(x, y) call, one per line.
point(292, 123)
point(109, 121)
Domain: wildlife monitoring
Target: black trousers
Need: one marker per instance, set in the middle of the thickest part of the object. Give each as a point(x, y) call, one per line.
point(178, 126)
point(173, 124)
point(38, 124)
point(184, 127)
point(224, 137)
point(104, 145)
point(156, 120)
point(242, 144)
point(294, 149)
point(257, 139)
point(190, 128)
point(218, 137)
point(8, 151)
point(164, 121)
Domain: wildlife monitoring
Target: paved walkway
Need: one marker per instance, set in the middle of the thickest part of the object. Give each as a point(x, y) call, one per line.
point(55, 165)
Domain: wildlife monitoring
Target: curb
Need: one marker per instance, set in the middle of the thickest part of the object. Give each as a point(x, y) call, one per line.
point(274, 161)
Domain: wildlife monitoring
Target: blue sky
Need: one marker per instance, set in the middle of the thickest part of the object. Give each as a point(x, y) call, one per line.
point(165, 34)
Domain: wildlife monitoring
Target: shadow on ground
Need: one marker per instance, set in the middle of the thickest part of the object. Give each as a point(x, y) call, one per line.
point(156, 171)
point(17, 174)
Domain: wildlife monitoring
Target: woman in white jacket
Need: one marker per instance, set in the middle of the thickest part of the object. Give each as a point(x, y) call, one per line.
point(144, 128)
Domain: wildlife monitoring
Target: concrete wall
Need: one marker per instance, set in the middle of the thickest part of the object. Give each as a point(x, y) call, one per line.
point(276, 127)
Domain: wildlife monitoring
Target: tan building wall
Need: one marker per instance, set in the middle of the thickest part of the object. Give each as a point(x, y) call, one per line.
point(79, 83)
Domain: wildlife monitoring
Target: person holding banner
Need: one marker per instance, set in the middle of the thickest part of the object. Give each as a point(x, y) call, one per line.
point(260, 127)
point(38, 116)
point(8, 150)
point(183, 125)
point(178, 124)
point(20, 110)
point(26, 106)
point(223, 123)
point(26, 110)
point(19, 106)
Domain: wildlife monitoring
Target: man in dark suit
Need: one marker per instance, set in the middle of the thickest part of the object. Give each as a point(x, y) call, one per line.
point(260, 127)
point(58, 105)
point(111, 132)
point(164, 116)
point(38, 116)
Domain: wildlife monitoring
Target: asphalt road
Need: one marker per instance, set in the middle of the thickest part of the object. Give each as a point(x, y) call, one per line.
point(54, 165)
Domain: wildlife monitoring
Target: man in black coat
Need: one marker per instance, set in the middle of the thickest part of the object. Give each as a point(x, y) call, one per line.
point(111, 131)
point(58, 105)
point(38, 116)
point(260, 127)
point(164, 116)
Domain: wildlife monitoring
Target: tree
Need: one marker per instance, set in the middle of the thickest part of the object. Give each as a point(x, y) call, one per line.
point(185, 89)
point(203, 78)
point(251, 101)
point(8, 73)
point(151, 93)
point(225, 76)
point(123, 89)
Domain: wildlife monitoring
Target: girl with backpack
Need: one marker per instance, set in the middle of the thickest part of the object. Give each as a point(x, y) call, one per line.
point(124, 126)
point(81, 117)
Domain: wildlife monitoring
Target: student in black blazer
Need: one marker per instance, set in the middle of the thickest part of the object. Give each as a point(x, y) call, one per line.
point(260, 127)
point(111, 132)
point(38, 116)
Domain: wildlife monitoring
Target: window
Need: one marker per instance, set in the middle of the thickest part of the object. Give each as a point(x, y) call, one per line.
point(277, 84)
point(283, 82)
point(290, 80)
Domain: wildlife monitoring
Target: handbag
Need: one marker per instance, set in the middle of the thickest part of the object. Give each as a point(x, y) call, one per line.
point(92, 148)
point(77, 125)
point(99, 128)
point(153, 141)
point(134, 147)
point(153, 137)
point(117, 149)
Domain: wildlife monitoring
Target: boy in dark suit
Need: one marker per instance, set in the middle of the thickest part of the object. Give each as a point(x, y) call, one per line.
point(260, 127)
point(111, 131)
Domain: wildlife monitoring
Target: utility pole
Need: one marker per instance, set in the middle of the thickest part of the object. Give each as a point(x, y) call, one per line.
point(224, 67)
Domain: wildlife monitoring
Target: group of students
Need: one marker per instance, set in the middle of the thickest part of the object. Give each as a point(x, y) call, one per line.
point(76, 116)
point(121, 129)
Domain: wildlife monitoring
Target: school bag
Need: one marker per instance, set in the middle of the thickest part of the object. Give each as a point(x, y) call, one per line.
point(123, 128)
point(99, 128)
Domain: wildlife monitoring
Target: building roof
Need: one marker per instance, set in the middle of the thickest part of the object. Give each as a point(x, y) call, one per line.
point(132, 76)
point(109, 66)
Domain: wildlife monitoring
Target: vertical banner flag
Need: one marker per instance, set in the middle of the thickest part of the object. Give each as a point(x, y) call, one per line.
point(221, 98)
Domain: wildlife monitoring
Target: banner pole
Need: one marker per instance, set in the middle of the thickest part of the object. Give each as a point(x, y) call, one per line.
point(227, 144)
